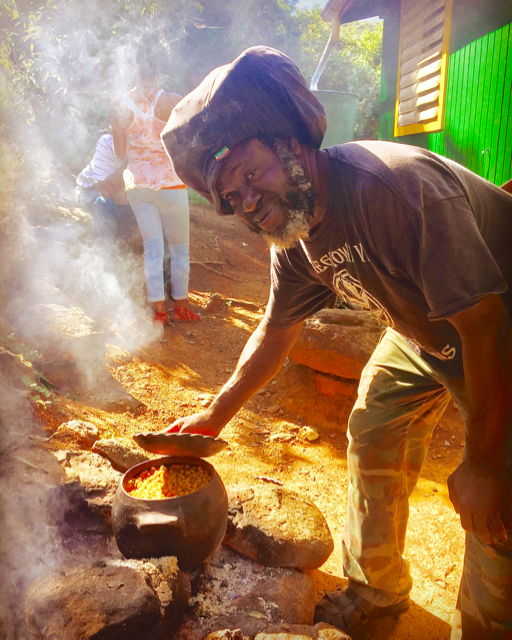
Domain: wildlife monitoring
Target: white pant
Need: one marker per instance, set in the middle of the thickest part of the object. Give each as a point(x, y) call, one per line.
point(158, 213)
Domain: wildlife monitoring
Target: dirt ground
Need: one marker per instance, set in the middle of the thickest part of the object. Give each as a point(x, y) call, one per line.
point(179, 375)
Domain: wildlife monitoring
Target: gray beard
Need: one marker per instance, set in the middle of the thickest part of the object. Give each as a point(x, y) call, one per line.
point(298, 207)
point(301, 203)
point(295, 228)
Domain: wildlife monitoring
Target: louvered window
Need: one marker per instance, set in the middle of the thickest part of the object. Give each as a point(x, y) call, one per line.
point(422, 65)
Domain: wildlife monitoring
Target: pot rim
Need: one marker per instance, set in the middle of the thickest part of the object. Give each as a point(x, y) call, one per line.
point(168, 460)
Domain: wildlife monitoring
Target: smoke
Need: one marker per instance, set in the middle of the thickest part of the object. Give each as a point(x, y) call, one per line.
point(65, 270)
point(52, 267)
point(43, 240)
point(28, 542)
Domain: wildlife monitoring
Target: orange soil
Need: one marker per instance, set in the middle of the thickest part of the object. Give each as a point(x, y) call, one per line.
point(179, 376)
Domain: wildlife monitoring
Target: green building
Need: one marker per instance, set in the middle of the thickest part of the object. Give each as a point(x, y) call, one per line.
point(446, 77)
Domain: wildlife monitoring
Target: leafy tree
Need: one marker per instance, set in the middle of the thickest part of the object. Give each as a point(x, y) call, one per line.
point(354, 65)
point(62, 61)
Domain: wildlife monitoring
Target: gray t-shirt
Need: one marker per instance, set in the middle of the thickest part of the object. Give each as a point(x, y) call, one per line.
point(411, 236)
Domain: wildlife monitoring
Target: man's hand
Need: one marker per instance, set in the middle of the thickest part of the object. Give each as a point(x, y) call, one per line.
point(196, 423)
point(481, 487)
point(482, 496)
point(261, 359)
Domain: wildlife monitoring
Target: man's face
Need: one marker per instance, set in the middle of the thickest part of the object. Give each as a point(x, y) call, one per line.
point(268, 191)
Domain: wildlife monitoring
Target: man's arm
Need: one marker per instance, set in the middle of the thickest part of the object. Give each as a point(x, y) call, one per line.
point(481, 487)
point(262, 357)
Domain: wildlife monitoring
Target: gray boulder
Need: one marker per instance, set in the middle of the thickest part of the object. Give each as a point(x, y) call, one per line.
point(129, 600)
point(121, 456)
point(277, 528)
point(80, 432)
point(96, 476)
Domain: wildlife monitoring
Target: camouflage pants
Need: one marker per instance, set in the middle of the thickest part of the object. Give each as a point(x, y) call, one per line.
point(401, 399)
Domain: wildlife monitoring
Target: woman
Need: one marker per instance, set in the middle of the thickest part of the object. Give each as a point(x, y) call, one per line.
point(157, 196)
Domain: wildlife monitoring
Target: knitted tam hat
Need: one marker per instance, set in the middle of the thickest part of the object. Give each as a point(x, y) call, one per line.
point(260, 93)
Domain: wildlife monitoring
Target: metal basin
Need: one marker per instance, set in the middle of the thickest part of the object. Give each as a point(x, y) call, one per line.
point(190, 527)
point(341, 112)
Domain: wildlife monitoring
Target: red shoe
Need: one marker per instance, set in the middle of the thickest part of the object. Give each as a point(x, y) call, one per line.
point(162, 318)
point(185, 315)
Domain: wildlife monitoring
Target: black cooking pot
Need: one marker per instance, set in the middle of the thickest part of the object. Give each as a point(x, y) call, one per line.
point(190, 527)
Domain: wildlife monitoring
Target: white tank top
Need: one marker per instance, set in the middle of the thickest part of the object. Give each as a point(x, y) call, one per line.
point(148, 165)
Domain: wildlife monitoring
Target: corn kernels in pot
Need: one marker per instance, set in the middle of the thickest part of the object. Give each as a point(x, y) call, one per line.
point(167, 481)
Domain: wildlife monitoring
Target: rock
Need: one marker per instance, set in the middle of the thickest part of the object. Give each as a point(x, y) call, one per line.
point(282, 437)
point(213, 304)
point(320, 631)
point(93, 471)
point(338, 341)
point(243, 304)
point(333, 386)
point(172, 586)
point(66, 333)
point(44, 292)
point(227, 634)
point(34, 469)
point(236, 593)
point(96, 475)
point(79, 432)
point(82, 530)
point(274, 408)
point(308, 434)
point(121, 456)
point(130, 599)
point(67, 321)
point(5, 330)
point(28, 537)
point(205, 399)
point(277, 528)
point(91, 381)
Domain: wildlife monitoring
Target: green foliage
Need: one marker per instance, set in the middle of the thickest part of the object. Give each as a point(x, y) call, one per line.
point(62, 62)
point(354, 65)
point(22, 350)
point(39, 393)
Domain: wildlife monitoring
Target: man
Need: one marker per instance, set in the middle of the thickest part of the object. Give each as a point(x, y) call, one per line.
point(100, 192)
point(421, 242)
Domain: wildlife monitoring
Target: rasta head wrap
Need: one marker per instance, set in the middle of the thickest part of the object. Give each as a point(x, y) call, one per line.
point(261, 93)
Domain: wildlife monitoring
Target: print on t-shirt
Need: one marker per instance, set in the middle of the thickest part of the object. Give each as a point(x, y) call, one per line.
point(346, 286)
point(350, 289)
point(409, 235)
point(338, 256)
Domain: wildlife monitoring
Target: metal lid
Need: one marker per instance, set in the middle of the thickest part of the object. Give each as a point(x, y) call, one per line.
point(180, 444)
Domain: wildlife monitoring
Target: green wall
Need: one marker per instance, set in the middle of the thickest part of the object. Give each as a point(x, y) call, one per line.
point(478, 109)
point(478, 119)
